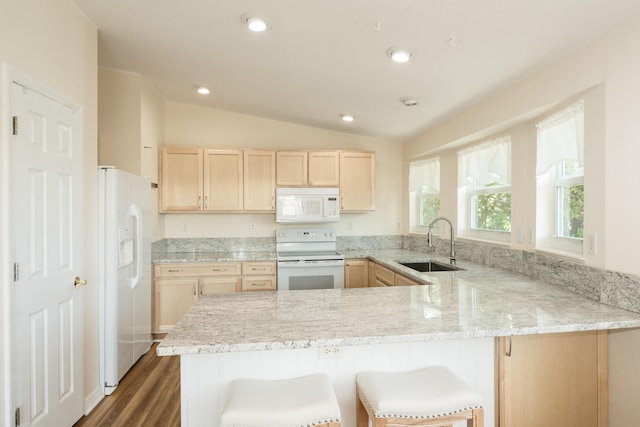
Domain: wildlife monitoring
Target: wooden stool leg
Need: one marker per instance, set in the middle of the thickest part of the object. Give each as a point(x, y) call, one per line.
point(478, 418)
point(362, 416)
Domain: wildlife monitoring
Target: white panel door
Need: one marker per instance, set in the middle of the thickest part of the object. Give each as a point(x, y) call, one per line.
point(46, 188)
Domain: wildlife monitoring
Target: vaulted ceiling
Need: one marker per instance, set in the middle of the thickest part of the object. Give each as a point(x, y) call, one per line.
point(320, 59)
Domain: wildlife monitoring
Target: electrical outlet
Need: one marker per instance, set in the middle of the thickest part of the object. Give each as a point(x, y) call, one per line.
point(252, 226)
point(185, 228)
point(330, 353)
point(592, 244)
point(350, 226)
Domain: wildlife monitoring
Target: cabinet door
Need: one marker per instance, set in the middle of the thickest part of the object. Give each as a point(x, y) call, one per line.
point(356, 273)
point(357, 190)
point(219, 285)
point(372, 274)
point(259, 180)
point(172, 299)
point(553, 379)
point(223, 180)
point(324, 168)
point(181, 183)
point(291, 168)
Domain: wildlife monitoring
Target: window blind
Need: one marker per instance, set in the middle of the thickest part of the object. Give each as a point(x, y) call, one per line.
point(485, 163)
point(561, 137)
point(425, 173)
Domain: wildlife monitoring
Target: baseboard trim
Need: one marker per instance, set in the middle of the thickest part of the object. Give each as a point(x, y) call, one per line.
point(92, 400)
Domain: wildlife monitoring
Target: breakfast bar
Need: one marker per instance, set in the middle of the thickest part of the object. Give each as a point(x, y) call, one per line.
point(453, 320)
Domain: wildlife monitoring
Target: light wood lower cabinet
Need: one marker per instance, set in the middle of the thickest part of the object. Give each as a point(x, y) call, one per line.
point(178, 286)
point(356, 273)
point(384, 276)
point(400, 280)
point(259, 276)
point(552, 380)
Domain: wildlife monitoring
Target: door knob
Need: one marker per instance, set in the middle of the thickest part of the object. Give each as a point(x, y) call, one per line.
point(77, 282)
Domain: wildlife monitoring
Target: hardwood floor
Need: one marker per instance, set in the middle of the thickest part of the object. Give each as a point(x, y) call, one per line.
point(148, 395)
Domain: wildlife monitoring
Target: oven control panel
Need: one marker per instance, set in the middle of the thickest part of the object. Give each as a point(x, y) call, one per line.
point(306, 235)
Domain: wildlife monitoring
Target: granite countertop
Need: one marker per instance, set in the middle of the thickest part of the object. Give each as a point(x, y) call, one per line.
point(475, 302)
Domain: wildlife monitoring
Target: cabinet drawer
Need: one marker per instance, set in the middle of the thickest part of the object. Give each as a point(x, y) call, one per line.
point(384, 275)
point(267, 283)
point(197, 270)
point(404, 281)
point(219, 285)
point(258, 268)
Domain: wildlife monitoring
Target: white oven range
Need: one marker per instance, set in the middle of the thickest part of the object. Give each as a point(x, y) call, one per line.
point(307, 259)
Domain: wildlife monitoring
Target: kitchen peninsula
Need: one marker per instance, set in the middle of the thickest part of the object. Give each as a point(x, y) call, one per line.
point(453, 321)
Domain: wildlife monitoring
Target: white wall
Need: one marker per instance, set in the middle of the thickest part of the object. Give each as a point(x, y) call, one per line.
point(187, 125)
point(52, 42)
point(608, 74)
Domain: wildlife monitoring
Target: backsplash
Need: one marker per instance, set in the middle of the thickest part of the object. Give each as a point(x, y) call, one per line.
point(606, 286)
point(218, 244)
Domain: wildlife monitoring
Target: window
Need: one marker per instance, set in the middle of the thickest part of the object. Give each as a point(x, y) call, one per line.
point(424, 190)
point(569, 208)
point(560, 180)
point(484, 178)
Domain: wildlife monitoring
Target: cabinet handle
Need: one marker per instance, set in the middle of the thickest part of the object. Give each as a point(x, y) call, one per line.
point(217, 269)
point(342, 202)
point(206, 202)
point(258, 269)
point(273, 202)
point(174, 271)
point(199, 202)
point(508, 352)
point(259, 284)
point(195, 288)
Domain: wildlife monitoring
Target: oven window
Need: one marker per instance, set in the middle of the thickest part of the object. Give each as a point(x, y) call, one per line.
point(311, 282)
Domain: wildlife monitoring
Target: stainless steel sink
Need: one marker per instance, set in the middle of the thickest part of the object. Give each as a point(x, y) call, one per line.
point(428, 266)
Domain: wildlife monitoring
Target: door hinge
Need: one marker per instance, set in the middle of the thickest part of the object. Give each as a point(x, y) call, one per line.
point(16, 271)
point(15, 125)
point(17, 417)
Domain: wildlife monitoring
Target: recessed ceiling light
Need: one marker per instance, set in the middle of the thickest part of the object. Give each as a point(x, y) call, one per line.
point(347, 117)
point(256, 24)
point(398, 55)
point(203, 90)
point(409, 102)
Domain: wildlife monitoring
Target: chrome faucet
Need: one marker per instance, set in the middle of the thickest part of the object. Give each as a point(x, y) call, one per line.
point(452, 254)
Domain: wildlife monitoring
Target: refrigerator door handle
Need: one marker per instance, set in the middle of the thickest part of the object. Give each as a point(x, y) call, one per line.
point(135, 213)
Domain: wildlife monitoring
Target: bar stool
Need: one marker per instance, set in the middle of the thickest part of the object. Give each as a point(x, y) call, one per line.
point(433, 396)
point(296, 402)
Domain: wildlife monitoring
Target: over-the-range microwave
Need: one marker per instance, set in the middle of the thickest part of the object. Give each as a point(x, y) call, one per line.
point(308, 204)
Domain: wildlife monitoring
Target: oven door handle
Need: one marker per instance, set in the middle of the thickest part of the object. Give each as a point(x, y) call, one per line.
point(310, 264)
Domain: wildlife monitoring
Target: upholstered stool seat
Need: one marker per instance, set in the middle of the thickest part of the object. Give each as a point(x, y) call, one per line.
point(434, 396)
point(296, 402)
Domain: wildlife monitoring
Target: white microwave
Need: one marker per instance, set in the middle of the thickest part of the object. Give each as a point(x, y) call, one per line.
point(309, 204)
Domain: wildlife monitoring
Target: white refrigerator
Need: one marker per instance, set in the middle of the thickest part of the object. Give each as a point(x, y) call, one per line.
point(124, 207)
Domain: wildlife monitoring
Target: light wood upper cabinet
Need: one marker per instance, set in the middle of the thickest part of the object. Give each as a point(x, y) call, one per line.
point(308, 168)
point(219, 180)
point(357, 181)
point(181, 179)
point(193, 179)
point(291, 167)
point(223, 176)
point(259, 180)
point(324, 168)
point(552, 379)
